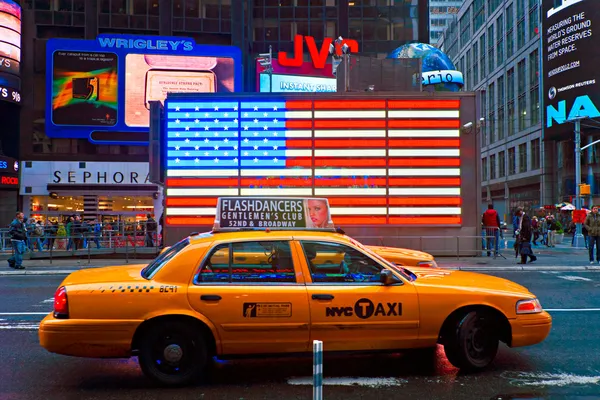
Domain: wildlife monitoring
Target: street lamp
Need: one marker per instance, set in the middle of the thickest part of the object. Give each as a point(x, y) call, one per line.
point(579, 240)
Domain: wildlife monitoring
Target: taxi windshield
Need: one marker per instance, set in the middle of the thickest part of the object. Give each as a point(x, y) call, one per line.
point(163, 258)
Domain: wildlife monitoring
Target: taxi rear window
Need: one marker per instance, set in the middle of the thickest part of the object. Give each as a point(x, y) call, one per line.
point(164, 258)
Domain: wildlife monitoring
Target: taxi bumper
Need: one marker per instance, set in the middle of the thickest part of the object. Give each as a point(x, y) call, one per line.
point(530, 329)
point(87, 338)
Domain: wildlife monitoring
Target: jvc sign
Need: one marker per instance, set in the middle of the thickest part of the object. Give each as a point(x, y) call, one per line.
point(318, 56)
point(583, 106)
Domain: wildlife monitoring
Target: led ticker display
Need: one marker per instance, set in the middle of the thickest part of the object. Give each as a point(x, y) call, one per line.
point(10, 51)
point(378, 161)
point(105, 85)
point(277, 83)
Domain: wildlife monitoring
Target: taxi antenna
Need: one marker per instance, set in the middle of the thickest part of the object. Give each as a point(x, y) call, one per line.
point(340, 230)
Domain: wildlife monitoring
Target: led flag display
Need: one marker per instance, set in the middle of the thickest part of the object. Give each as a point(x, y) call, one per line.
point(379, 162)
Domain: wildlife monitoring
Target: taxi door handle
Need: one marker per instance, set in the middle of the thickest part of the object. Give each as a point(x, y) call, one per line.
point(322, 297)
point(210, 297)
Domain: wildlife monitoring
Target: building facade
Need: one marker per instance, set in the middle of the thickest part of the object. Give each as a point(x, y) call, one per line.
point(379, 26)
point(496, 44)
point(441, 14)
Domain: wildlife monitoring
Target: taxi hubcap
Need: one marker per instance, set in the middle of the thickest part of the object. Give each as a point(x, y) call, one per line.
point(173, 353)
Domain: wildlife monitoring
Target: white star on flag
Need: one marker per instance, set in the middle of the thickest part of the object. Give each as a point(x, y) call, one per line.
point(265, 153)
point(255, 147)
point(235, 121)
point(226, 140)
point(177, 160)
point(266, 128)
point(255, 108)
point(216, 108)
point(216, 160)
point(274, 133)
point(197, 109)
point(255, 160)
point(187, 140)
point(246, 128)
point(197, 147)
point(226, 128)
point(245, 154)
point(196, 161)
point(216, 121)
point(275, 160)
point(235, 160)
point(275, 147)
point(245, 115)
point(216, 133)
point(275, 120)
point(177, 135)
point(187, 154)
point(177, 147)
point(226, 115)
point(255, 121)
point(197, 121)
point(246, 140)
point(275, 108)
point(206, 153)
point(176, 121)
point(235, 147)
point(187, 115)
point(206, 115)
point(187, 128)
point(197, 134)
point(206, 128)
point(265, 140)
point(226, 153)
point(216, 147)
point(266, 115)
point(206, 140)
point(176, 108)
point(235, 108)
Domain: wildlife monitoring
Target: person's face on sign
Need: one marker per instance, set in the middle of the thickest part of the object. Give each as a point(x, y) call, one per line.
point(317, 211)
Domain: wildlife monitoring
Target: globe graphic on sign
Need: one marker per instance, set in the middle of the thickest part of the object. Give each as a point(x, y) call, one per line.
point(432, 59)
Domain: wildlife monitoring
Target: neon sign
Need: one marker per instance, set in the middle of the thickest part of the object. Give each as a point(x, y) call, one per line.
point(318, 56)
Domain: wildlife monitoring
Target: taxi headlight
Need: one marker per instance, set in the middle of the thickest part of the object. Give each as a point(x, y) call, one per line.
point(531, 306)
point(427, 264)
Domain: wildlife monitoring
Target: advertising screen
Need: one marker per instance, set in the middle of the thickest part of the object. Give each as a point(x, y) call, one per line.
point(296, 83)
point(105, 85)
point(570, 64)
point(379, 161)
point(10, 51)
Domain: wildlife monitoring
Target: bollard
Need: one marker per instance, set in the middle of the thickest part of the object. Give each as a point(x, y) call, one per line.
point(317, 370)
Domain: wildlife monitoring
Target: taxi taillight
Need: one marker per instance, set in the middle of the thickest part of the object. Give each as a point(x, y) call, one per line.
point(61, 303)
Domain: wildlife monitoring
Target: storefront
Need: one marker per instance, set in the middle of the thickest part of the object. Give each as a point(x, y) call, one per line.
point(108, 192)
point(9, 189)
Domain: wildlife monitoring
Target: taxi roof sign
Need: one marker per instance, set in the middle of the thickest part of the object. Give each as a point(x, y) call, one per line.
point(274, 213)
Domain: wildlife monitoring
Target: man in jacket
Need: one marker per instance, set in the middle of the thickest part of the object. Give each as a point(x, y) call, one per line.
point(151, 227)
point(524, 237)
point(592, 224)
point(18, 235)
point(491, 224)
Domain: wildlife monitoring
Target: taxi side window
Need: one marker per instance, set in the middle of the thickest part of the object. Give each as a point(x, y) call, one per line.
point(338, 263)
point(249, 262)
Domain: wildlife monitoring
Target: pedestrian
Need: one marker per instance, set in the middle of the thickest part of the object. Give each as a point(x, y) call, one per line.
point(515, 224)
point(586, 238)
point(151, 227)
point(535, 227)
point(524, 237)
point(18, 238)
point(592, 224)
point(491, 224)
point(552, 227)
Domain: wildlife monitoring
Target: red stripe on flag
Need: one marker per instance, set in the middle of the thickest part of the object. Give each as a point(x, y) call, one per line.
point(424, 104)
point(270, 182)
point(424, 162)
point(426, 220)
point(298, 124)
point(423, 123)
point(344, 124)
point(298, 162)
point(357, 201)
point(424, 181)
point(358, 220)
point(349, 181)
point(298, 143)
point(190, 221)
point(298, 104)
point(425, 143)
point(349, 143)
point(354, 162)
point(425, 201)
point(191, 202)
point(349, 104)
point(201, 182)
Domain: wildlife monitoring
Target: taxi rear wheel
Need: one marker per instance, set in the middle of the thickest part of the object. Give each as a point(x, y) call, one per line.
point(474, 341)
point(173, 353)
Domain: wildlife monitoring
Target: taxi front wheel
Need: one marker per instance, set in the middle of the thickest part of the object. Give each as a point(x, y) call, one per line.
point(473, 342)
point(172, 354)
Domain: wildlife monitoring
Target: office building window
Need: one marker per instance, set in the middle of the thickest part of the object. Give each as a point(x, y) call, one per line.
point(501, 164)
point(520, 8)
point(512, 161)
point(484, 169)
point(469, 71)
point(534, 111)
point(492, 167)
point(500, 102)
point(510, 100)
point(522, 157)
point(533, 20)
point(490, 46)
point(492, 6)
point(465, 29)
point(500, 39)
point(479, 14)
point(484, 132)
point(521, 84)
point(490, 122)
point(475, 64)
point(482, 52)
point(535, 154)
point(509, 18)
point(520, 34)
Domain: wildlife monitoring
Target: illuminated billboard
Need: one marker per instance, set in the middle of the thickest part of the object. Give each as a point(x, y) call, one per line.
point(105, 85)
point(570, 64)
point(10, 51)
point(277, 83)
point(379, 160)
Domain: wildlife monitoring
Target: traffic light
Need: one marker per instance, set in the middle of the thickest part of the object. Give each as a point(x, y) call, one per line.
point(266, 60)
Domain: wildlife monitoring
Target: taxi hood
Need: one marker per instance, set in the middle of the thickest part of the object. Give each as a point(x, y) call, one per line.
point(467, 280)
point(389, 253)
point(105, 274)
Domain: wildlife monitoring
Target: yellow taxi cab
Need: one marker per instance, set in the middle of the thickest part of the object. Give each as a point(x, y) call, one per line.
point(272, 291)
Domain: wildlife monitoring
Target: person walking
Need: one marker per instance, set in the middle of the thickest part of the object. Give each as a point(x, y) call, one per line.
point(524, 237)
point(552, 228)
point(151, 228)
point(491, 225)
point(535, 227)
point(18, 238)
point(592, 224)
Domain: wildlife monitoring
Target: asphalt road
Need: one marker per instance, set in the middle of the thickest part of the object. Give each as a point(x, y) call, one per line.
point(566, 365)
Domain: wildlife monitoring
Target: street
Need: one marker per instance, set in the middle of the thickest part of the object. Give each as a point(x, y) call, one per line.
point(565, 365)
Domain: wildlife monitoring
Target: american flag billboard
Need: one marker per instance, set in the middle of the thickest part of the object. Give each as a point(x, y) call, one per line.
point(379, 161)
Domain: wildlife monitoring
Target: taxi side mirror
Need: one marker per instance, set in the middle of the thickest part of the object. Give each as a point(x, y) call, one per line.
point(388, 278)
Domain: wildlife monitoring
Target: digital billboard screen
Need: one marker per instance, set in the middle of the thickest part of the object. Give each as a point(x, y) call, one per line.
point(277, 83)
point(105, 85)
point(379, 161)
point(570, 64)
point(10, 51)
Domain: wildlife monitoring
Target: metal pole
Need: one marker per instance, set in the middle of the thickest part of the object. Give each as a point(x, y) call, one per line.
point(578, 242)
point(271, 69)
point(317, 370)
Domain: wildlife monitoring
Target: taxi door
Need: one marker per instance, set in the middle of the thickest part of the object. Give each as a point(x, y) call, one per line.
point(350, 308)
point(254, 294)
